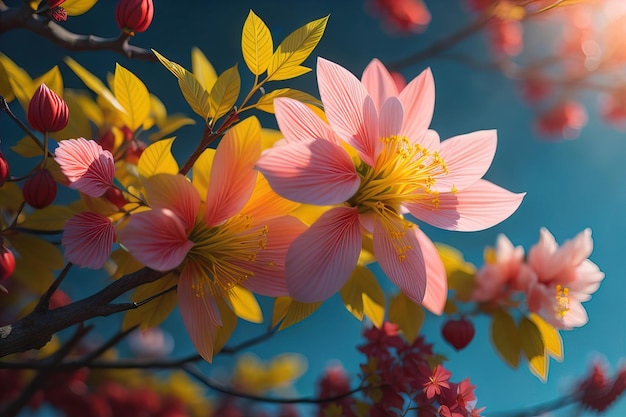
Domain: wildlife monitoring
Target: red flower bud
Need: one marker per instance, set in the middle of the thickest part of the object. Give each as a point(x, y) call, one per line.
point(7, 263)
point(134, 15)
point(4, 169)
point(458, 333)
point(40, 189)
point(47, 112)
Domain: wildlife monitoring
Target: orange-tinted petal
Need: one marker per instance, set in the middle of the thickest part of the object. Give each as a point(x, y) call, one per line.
point(176, 193)
point(320, 260)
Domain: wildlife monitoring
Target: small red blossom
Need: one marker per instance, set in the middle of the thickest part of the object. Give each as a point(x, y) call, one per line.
point(59, 14)
point(565, 119)
point(134, 15)
point(598, 391)
point(458, 333)
point(47, 112)
point(40, 189)
point(4, 169)
point(402, 15)
point(7, 262)
point(438, 380)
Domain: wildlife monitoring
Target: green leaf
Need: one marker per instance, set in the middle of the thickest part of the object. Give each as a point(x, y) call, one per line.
point(157, 159)
point(266, 102)
point(133, 95)
point(195, 95)
point(408, 315)
point(256, 44)
point(224, 93)
point(506, 338)
point(294, 49)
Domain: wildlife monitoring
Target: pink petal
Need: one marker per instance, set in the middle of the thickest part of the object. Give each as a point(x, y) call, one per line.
point(88, 239)
point(578, 249)
point(176, 193)
point(89, 168)
point(371, 147)
point(576, 316)
point(299, 123)
point(429, 139)
point(418, 101)
point(269, 267)
point(322, 258)
point(398, 252)
point(233, 175)
point(318, 172)
point(478, 207)
point(390, 119)
point(343, 97)
point(436, 278)
point(198, 310)
point(378, 82)
point(467, 157)
point(157, 238)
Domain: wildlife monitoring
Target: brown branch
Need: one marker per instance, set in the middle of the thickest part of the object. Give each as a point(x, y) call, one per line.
point(24, 18)
point(36, 329)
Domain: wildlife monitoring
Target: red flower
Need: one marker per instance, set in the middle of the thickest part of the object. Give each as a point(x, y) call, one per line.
point(7, 263)
point(40, 189)
point(565, 119)
point(4, 169)
point(597, 392)
point(47, 112)
point(402, 15)
point(438, 380)
point(458, 333)
point(134, 15)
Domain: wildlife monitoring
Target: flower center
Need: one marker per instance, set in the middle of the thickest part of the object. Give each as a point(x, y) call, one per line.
point(403, 173)
point(223, 252)
point(562, 301)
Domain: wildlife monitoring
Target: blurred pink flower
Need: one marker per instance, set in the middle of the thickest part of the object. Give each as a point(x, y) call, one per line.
point(401, 15)
point(88, 239)
point(232, 239)
point(561, 278)
point(497, 277)
point(565, 120)
point(398, 165)
point(88, 167)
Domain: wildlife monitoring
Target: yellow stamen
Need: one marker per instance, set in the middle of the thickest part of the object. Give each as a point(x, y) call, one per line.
point(562, 301)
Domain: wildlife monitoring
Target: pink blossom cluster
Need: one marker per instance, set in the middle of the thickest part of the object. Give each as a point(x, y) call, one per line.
point(553, 280)
point(399, 376)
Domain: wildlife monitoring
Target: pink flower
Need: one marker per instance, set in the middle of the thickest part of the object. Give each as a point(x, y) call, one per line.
point(239, 236)
point(401, 15)
point(561, 278)
point(88, 239)
point(397, 165)
point(438, 380)
point(565, 119)
point(88, 167)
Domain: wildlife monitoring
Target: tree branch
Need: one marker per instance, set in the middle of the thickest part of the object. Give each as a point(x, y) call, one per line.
point(36, 329)
point(23, 18)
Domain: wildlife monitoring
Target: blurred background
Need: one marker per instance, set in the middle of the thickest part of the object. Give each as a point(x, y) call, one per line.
point(571, 183)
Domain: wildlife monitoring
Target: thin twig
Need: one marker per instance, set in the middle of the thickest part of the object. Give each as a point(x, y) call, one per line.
point(44, 301)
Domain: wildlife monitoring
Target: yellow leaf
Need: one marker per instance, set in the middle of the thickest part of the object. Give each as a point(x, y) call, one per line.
point(506, 338)
point(87, 106)
point(195, 95)
point(461, 274)
point(52, 79)
point(157, 159)
point(201, 172)
point(202, 69)
point(32, 275)
point(551, 337)
point(133, 95)
point(49, 218)
point(244, 304)
point(78, 125)
point(290, 311)
point(362, 295)
point(123, 263)
point(266, 102)
point(229, 322)
point(20, 82)
point(11, 197)
point(78, 7)
point(27, 148)
point(285, 368)
point(155, 311)
point(534, 349)
point(94, 84)
point(5, 87)
point(169, 125)
point(294, 49)
point(224, 93)
point(256, 44)
point(408, 315)
point(34, 250)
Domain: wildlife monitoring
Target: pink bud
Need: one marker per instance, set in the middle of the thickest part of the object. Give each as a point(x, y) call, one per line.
point(4, 169)
point(40, 189)
point(134, 15)
point(458, 333)
point(47, 112)
point(7, 263)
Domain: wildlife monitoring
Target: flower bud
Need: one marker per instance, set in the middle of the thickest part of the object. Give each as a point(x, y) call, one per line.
point(458, 333)
point(7, 263)
point(4, 169)
point(134, 15)
point(47, 112)
point(40, 189)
